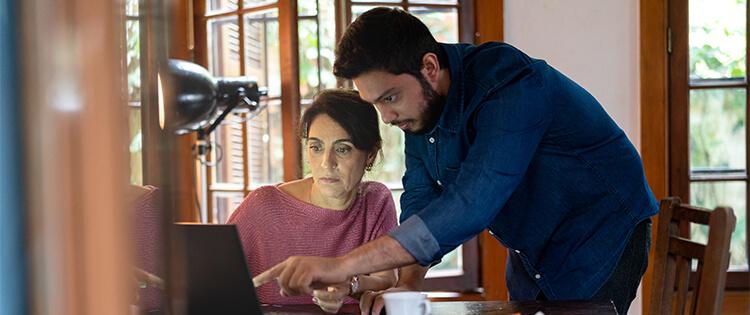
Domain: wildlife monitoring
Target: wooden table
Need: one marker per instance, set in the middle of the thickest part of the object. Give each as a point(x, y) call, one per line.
point(474, 308)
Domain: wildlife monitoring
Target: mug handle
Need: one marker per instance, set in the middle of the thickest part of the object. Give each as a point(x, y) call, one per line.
point(425, 305)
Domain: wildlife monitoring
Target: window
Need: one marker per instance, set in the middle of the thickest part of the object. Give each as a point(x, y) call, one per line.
point(132, 66)
point(242, 38)
point(708, 115)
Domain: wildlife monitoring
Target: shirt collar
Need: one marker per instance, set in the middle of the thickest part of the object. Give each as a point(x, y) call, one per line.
point(454, 103)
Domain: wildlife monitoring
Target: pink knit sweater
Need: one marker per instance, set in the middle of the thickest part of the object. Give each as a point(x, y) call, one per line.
point(274, 225)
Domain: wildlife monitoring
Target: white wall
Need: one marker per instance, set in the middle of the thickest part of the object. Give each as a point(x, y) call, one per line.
point(594, 42)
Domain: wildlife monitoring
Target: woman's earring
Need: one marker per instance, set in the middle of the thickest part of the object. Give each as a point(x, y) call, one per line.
point(368, 167)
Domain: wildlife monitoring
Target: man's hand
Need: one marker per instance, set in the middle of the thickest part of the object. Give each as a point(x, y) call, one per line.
point(331, 298)
point(301, 275)
point(371, 302)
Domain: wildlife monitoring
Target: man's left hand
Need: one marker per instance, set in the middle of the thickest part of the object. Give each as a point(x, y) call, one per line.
point(301, 275)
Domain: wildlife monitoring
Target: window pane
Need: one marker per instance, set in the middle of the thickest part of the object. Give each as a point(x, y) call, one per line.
point(255, 3)
point(265, 148)
point(262, 50)
point(227, 152)
point(133, 62)
point(357, 10)
point(135, 145)
point(391, 167)
point(307, 8)
point(451, 264)
point(224, 205)
point(308, 58)
point(131, 7)
point(732, 194)
point(434, 1)
point(442, 22)
point(717, 38)
point(221, 5)
point(327, 40)
point(717, 130)
point(224, 47)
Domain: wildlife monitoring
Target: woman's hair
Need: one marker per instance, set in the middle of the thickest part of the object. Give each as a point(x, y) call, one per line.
point(358, 117)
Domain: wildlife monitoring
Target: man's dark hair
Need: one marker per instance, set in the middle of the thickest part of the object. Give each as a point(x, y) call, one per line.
point(358, 117)
point(385, 39)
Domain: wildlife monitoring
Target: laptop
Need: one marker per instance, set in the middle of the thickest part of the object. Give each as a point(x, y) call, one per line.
point(217, 280)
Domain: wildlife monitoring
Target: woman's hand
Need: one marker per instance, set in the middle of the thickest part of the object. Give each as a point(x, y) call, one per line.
point(331, 298)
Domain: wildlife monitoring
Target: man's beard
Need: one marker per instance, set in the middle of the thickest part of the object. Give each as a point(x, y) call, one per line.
point(435, 103)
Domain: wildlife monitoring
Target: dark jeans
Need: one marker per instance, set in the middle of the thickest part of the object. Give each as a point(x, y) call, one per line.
point(622, 285)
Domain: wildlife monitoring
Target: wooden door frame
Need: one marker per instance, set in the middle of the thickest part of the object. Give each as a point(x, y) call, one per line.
point(488, 26)
point(654, 109)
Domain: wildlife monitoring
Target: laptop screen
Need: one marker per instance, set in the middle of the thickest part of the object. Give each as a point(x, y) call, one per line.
point(217, 280)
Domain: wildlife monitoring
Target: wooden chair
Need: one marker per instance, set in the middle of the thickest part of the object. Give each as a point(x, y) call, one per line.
point(674, 252)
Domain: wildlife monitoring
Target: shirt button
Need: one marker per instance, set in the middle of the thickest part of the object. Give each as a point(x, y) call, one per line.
point(432, 140)
point(439, 183)
point(537, 276)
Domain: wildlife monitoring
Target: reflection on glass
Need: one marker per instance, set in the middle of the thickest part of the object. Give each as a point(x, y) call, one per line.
point(224, 47)
point(732, 194)
point(262, 50)
point(717, 130)
point(265, 149)
point(442, 22)
point(224, 204)
point(227, 152)
point(717, 38)
point(221, 5)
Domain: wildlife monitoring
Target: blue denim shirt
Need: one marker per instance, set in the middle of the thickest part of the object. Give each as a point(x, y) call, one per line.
point(522, 150)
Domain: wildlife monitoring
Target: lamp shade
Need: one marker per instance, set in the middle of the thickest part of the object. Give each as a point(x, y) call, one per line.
point(189, 97)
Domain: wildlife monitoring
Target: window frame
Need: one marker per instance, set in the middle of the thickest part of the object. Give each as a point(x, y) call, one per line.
point(679, 87)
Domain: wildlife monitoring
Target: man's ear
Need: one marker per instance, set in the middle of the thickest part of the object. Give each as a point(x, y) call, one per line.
point(430, 67)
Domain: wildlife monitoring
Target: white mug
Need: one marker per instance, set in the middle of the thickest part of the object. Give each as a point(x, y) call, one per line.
point(406, 303)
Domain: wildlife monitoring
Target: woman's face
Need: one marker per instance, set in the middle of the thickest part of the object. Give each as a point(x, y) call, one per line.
point(337, 166)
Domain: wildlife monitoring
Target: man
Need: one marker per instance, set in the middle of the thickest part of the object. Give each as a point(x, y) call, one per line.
point(495, 140)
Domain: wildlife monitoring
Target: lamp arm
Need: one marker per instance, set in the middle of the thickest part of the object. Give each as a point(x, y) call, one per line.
point(221, 117)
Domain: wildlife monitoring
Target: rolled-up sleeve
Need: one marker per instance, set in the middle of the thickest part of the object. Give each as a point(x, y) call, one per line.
point(417, 239)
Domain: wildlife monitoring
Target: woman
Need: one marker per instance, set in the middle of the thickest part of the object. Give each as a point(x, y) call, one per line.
point(328, 214)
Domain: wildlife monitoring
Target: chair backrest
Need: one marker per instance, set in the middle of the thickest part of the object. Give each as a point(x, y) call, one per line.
point(674, 252)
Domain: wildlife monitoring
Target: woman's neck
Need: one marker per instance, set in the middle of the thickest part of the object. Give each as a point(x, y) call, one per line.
point(341, 202)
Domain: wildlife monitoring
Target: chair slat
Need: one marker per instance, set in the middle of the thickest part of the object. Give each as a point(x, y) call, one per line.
point(686, 248)
point(692, 214)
